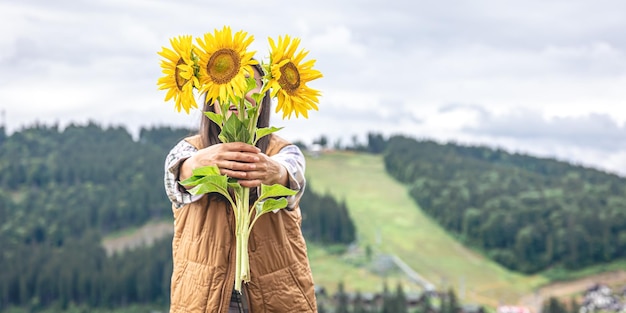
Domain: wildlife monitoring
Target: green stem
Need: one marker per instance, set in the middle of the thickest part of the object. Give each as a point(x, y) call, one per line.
point(245, 264)
point(252, 126)
point(253, 211)
point(241, 109)
point(237, 210)
point(256, 217)
point(224, 109)
point(238, 268)
point(242, 268)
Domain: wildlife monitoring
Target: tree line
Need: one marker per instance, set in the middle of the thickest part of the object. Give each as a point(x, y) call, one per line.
point(392, 302)
point(63, 190)
point(527, 213)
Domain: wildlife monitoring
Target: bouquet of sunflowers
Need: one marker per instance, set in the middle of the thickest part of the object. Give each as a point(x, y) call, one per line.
point(220, 67)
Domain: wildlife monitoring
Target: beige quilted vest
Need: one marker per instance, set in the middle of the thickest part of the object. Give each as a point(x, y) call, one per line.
point(203, 252)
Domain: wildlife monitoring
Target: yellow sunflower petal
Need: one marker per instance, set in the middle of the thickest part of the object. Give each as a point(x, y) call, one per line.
point(224, 63)
point(289, 76)
point(179, 75)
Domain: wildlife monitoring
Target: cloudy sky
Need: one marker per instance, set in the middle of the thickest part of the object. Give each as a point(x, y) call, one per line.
point(541, 77)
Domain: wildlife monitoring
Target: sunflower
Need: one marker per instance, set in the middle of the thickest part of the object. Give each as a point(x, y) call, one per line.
point(179, 68)
point(289, 77)
point(224, 63)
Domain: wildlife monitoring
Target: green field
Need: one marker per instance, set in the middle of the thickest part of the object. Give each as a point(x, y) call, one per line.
point(389, 221)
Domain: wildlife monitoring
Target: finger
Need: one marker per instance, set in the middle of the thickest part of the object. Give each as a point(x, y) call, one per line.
point(241, 147)
point(261, 177)
point(251, 183)
point(234, 174)
point(237, 166)
point(243, 157)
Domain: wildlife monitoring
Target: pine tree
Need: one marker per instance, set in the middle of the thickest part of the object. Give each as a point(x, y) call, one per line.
point(342, 300)
point(425, 304)
point(574, 306)
point(388, 301)
point(3, 134)
point(452, 301)
point(400, 300)
point(553, 305)
point(359, 305)
point(321, 307)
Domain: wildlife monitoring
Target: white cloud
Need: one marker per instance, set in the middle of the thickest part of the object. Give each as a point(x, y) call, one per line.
point(338, 40)
point(449, 70)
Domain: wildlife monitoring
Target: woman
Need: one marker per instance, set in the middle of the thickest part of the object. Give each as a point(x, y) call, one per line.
point(203, 247)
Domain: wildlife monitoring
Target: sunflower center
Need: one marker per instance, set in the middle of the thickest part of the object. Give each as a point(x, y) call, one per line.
point(289, 77)
point(180, 81)
point(223, 66)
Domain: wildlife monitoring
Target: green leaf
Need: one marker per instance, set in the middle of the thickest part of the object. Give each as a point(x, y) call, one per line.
point(274, 191)
point(258, 97)
point(262, 132)
point(216, 118)
point(191, 181)
point(250, 83)
point(199, 174)
point(207, 171)
point(222, 137)
point(270, 205)
point(235, 130)
point(212, 184)
point(234, 184)
point(251, 110)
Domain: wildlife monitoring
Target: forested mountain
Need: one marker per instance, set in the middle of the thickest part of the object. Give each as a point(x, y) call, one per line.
point(62, 190)
point(324, 220)
point(527, 213)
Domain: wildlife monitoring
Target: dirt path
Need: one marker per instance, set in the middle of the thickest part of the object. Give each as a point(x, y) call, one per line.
point(565, 290)
point(143, 236)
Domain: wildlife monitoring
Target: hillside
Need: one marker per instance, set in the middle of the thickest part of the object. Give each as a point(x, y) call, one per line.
point(527, 213)
point(402, 228)
point(393, 226)
point(60, 195)
point(63, 190)
point(389, 220)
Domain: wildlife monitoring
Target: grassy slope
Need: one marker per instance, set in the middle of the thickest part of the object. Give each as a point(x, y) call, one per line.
point(387, 219)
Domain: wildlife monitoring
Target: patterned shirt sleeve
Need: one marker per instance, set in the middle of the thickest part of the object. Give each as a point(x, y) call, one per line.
point(293, 160)
point(177, 193)
point(290, 157)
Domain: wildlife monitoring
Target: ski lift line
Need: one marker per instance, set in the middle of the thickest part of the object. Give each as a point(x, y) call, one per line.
point(412, 275)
